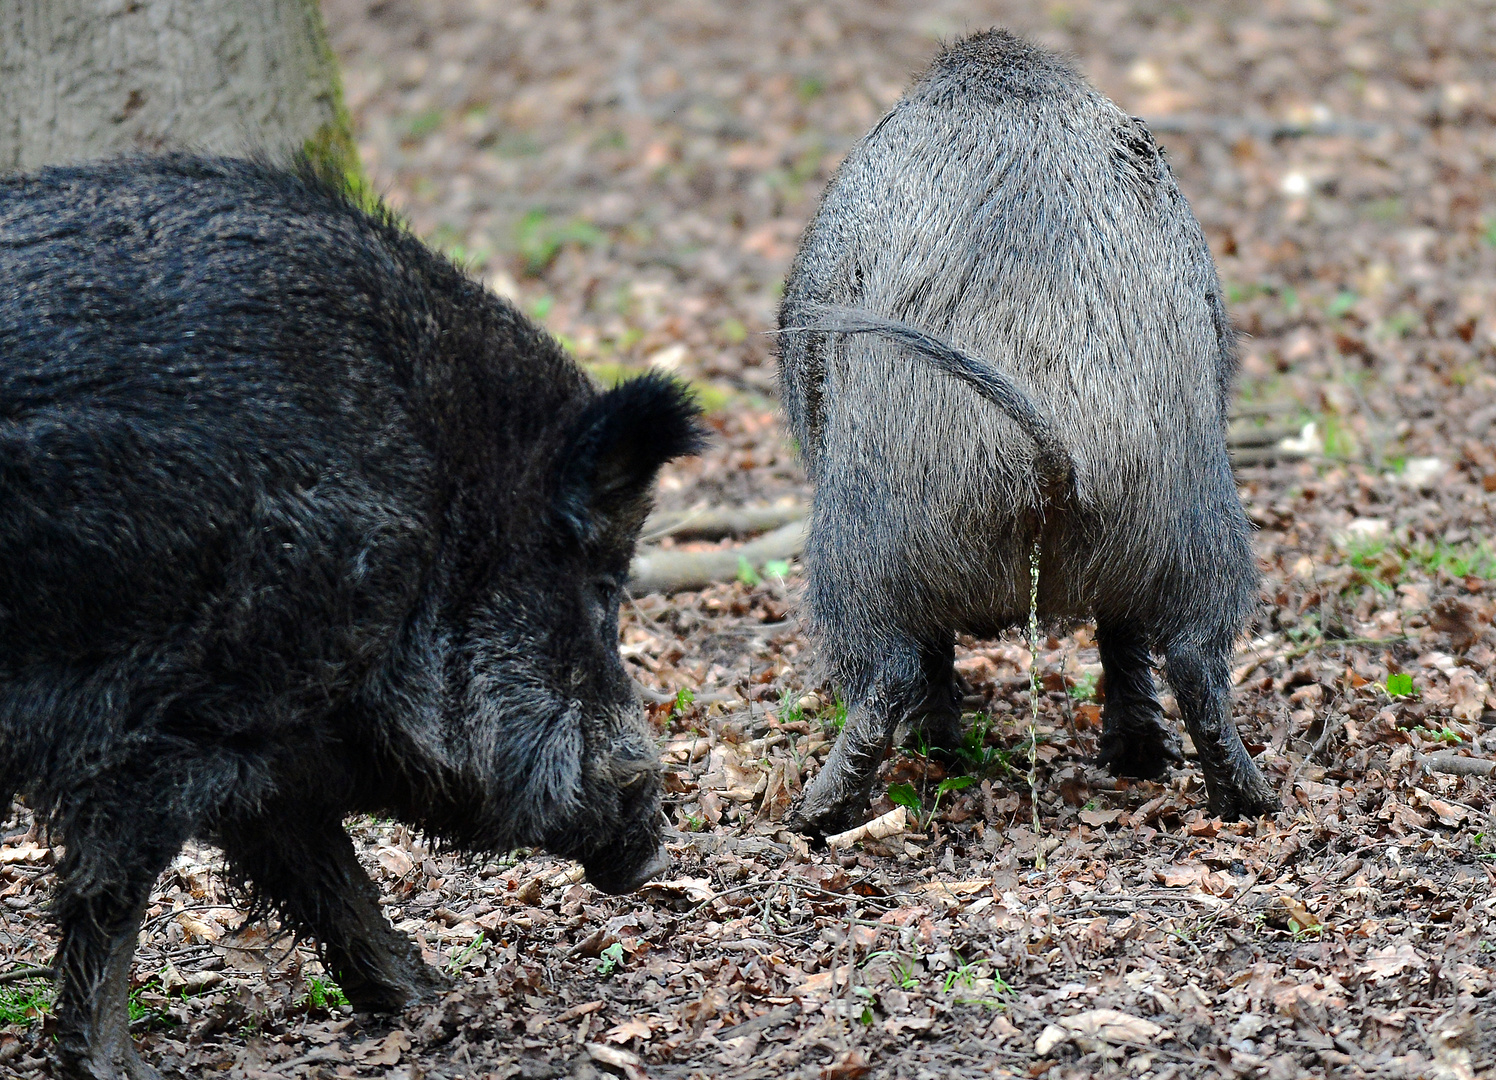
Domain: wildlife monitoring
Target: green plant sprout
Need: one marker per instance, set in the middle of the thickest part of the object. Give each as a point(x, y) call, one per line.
point(324, 994)
point(905, 795)
point(465, 955)
point(685, 697)
point(836, 718)
point(1342, 303)
point(1400, 685)
point(1085, 687)
point(972, 979)
point(24, 1003)
point(746, 574)
point(540, 239)
point(610, 960)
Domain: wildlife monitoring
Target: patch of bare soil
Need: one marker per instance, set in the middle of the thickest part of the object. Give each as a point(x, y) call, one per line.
point(636, 175)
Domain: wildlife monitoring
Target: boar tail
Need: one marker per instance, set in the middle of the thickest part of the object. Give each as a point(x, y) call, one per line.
point(1055, 468)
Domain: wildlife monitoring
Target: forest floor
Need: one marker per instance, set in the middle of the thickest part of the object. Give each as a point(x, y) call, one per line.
point(636, 175)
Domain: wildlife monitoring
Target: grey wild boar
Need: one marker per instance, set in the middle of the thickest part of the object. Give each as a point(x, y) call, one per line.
point(1004, 326)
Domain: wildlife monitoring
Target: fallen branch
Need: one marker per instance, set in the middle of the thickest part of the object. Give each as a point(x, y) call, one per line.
point(1251, 435)
point(1241, 674)
point(1233, 127)
point(22, 974)
point(893, 823)
point(715, 522)
point(654, 570)
point(1452, 764)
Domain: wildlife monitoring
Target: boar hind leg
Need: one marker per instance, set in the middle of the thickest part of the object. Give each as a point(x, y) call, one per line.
point(302, 863)
point(113, 858)
point(1136, 739)
point(935, 724)
point(895, 692)
point(1201, 678)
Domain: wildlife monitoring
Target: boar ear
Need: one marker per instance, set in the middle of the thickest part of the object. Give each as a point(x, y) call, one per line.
point(616, 447)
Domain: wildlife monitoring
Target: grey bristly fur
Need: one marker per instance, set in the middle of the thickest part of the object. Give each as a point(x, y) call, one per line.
point(1008, 213)
point(298, 521)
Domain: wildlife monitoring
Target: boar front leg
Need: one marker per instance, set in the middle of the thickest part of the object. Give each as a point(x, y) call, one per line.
point(116, 848)
point(1136, 740)
point(896, 691)
point(302, 862)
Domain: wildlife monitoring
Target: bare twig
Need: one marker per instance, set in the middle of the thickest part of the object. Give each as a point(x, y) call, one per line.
point(1241, 674)
point(1235, 127)
point(715, 522)
point(654, 570)
point(1452, 764)
point(22, 974)
point(893, 823)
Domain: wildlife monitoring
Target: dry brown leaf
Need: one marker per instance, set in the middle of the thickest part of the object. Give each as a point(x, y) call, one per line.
point(170, 978)
point(1300, 917)
point(1387, 962)
point(247, 949)
point(1447, 813)
point(580, 1010)
point(395, 862)
point(386, 1051)
point(849, 1066)
point(1098, 818)
point(29, 853)
point(614, 1057)
point(1104, 1025)
point(697, 890)
point(637, 1028)
point(199, 929)
point(825, 982)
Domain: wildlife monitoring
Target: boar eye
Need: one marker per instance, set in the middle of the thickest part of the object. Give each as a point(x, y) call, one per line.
point(606, 589)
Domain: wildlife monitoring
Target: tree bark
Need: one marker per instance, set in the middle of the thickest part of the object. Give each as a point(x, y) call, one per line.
point(84, 79)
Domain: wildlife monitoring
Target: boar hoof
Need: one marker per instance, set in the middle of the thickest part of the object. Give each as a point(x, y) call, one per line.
point(939, 736)
point(115, 1061)
point(1142, 748)
point(394, 991)
point(818, 818)
point(1252, 799)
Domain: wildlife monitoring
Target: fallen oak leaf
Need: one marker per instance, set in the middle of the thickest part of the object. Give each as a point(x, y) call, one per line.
point(850, 1066)
point(1387, 962)
point(626, 1062)
point(202, 929)
point(1100, 1025)
point(386, 1051)
point(636, 1028)
point(577, 1011)
point(395, 862)
point(24, 853)
point(697, 890)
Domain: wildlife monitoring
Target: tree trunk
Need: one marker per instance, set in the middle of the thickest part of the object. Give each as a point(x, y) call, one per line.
point(83, 79)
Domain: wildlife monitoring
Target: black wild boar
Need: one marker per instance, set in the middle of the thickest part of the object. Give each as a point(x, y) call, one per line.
point(1008, 230)
point(297, 521)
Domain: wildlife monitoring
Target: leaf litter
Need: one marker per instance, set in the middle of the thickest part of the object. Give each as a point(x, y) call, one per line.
point(636, 175)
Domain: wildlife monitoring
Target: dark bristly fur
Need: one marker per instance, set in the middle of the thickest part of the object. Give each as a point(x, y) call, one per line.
point(1007, 233)
point(298, 521)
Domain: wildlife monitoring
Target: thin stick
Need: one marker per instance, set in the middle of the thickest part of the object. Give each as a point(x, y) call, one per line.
point(22, 974)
